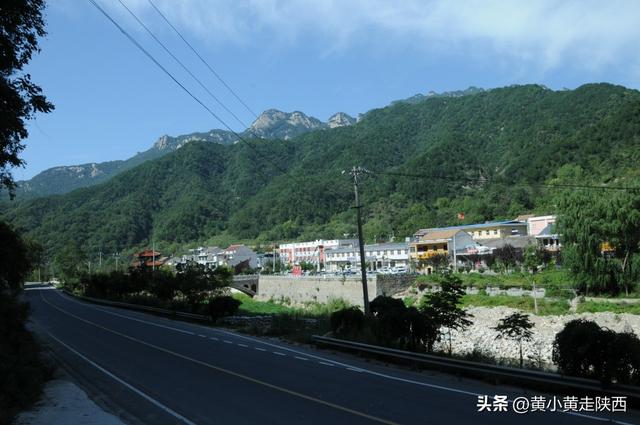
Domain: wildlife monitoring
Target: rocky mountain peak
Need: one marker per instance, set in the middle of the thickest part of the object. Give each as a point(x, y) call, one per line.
point(340, 119)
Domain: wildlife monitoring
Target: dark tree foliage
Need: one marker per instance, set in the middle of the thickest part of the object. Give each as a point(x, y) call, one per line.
point(347, 321)
point(15, 262)
point(585, 349)
point(21, 24)
point(222, 306)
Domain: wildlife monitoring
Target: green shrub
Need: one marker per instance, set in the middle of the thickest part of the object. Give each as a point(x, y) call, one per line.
point(585, 349)
point(22, 370)
point(223, 306)
point(347, 321)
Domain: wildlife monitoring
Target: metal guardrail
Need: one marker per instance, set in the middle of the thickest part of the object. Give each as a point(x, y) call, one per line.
point(139, 307)
point(554, 379)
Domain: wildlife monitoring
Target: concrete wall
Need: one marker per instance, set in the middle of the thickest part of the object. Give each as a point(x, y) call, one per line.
point(322, 289)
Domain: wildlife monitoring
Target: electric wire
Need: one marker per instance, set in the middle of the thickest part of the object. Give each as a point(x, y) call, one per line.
point(166, 49)
point(202, 59)
point(182, 86)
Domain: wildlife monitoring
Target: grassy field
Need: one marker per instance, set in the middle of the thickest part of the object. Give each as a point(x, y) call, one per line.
point(546, 307)
point(598, 306)
point(551, 277)
point(252, 307)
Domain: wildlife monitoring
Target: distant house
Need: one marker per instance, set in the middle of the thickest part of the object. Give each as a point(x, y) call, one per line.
point(548, 238)
point(538, 224)
point(148, 259)
point(312, 252)
point(377, 256)
point(428, 243)
point(489, 230)
point(234, 255)
point(208, 256)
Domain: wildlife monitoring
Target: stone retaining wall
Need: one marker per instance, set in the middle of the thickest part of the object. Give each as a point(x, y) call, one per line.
point(300, 290)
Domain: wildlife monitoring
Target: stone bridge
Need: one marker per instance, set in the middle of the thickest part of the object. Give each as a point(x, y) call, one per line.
point(247, 284)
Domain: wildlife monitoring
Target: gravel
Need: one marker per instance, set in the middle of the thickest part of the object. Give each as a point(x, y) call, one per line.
point(64, 403)
point(482, 338)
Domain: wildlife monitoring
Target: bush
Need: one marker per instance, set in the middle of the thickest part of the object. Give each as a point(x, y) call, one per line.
point(578, 349)
point(389, 319)
point(22, 371)
point(346, 322)
point(223, 306)
point(585, 349)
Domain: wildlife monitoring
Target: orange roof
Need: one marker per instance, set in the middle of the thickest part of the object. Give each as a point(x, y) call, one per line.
point(436, 235)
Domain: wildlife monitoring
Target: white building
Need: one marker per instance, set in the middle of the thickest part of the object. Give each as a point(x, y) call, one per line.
point(312, 252)
point(378, 256)
point(537, 224)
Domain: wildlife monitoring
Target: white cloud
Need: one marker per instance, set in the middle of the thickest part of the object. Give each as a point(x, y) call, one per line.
point(544, 34)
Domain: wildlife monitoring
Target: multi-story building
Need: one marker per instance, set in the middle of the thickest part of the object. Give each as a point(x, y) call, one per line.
point(429, 243)
point(380, 256)
point(313, 252)
point(538, 224)
point(490, 230)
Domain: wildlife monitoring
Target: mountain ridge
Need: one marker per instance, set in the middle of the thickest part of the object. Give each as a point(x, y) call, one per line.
point(488, 155)
point(271, 124)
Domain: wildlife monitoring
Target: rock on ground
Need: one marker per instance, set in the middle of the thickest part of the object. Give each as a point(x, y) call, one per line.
point(481, 337)
point(64, 403)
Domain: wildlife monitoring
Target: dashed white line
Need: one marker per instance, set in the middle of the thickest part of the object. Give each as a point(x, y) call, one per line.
point(227, 342)
point(326, 364)
point(202, 336)
point(355, 370)
point(259, 349)
point(214, 338)
point(243, 345)
point(300, 358)
point(277, 353)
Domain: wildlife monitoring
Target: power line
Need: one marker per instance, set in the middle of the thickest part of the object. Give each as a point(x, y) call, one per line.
point(166, 49)
point(202, 59)
point(484, 180)
point(175, 80)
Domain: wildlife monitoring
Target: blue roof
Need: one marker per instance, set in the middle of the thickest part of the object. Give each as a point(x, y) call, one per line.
point(480, 225)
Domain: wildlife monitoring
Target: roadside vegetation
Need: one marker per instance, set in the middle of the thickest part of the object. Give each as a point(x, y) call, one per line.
point(23, 372)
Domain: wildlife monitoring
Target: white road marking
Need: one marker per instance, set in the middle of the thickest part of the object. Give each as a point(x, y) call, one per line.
point(259, 349)
point(227, 341)
point(277, 353)
point(327, 364)
point(353, 369)
point(243, 345)
point(214, 338)
point(300, 358)
point(126, 384)
point(202, 336)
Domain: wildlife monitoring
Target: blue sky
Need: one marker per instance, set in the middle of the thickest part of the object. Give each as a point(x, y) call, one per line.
point(319, 57)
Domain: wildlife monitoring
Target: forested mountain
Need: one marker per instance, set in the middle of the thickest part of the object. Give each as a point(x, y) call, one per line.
point(481, 154)
point(271, 124)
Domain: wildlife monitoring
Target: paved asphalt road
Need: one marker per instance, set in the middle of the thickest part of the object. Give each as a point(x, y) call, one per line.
point(154, 370)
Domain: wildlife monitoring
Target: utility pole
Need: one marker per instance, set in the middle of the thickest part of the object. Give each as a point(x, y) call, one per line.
point(117, 256)
point(153, 255)
point(357, 173)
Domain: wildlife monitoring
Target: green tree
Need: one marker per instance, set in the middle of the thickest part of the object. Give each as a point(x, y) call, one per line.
point(20, 27)
point(586, 222)
point(15, 263)
point(69, 262)
point(517, 327)
point(443, 307)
